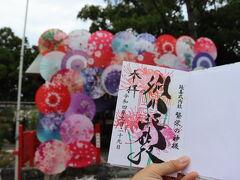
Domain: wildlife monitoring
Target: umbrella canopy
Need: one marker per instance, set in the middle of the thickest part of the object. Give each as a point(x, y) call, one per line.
point(52, 157)
point(75, 128)
point(81, 104)
point(83, 154)
point(52, 98)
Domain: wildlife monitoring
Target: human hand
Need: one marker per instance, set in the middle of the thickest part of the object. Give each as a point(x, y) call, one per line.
point(159, 171)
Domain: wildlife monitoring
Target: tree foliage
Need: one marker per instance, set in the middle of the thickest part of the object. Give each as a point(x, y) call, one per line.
point(216, 19)
point(153, 16)
point(10, 47)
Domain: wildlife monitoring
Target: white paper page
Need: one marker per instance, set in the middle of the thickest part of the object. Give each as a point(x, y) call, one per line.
point(129, 141)
point(212, 129)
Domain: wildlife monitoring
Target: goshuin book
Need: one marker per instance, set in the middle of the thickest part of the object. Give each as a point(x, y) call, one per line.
point(162, 114)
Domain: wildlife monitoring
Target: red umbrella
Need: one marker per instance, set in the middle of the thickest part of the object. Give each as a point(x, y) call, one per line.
point(147, 58)
point(69, 78)
point(52, 98)
point(166, 44)
point(100, 49)
point(83, 154)
point(205, 45)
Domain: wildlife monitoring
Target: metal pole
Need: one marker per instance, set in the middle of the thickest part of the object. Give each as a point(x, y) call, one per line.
point(17, 170)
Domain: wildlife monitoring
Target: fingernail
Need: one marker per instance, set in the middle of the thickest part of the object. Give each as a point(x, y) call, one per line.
point(184, 160)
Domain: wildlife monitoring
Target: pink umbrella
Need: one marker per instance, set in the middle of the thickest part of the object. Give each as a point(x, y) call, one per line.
point(52, 157)
point(69, 78)
point(76, 127)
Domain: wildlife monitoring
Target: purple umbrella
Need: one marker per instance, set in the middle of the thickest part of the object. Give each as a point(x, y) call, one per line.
point(81, 104)
point(76, 60)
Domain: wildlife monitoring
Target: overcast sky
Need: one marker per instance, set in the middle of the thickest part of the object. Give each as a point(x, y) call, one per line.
point(43, 15)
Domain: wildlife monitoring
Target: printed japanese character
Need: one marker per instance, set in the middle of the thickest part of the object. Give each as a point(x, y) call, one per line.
point(178, 115)
point(175, 145)
point(135, 74)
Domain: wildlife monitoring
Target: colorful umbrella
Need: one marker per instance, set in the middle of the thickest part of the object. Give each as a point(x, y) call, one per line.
point(100, 49)
point(145, 43)
point(52, 40)
point(123, 56)
point(76, 60)
point(83, 154)
point(78, 40)
point(124, 41)
point(52, 98)
point(76, 127)
point(51, 121)
point(92, 82)
point(50, 64)
point(185, 45)
point(205, 45)
point(48, 126)
point(69, 78)
point(203, 60)
point(168, 60)
point(111, 79)
point(146, 58)
point(81, 104)
point(52, 157)
point(166, 44)
point(45, 134)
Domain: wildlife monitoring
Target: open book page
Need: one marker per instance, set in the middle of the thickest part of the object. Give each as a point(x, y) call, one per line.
point(149, 119)
point(212, 127)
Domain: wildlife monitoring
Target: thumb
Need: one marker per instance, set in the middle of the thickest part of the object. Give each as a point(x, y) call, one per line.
point(162, 169)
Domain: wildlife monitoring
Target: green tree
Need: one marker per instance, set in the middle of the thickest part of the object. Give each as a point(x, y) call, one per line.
point(10, 46)
point(216, 19)
point(152, 16)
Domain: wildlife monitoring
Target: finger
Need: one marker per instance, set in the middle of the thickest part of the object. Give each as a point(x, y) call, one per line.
point(190, 176)
point(168, 178)
point(169, 167)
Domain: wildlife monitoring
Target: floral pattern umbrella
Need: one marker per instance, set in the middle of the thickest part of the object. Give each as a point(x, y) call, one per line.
point(147, 58)
point(92, 82)
point(48, 126)
point(83, 154)
point(78, 40)
point(75, 128)
point(52, 40)
point(70, 79)
point(52, 157)
point(185, 46)
point(124, 41)
point(52, 98)
point(166, 44)
point(145, 43)
point(81, 104)
point(205, 45)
